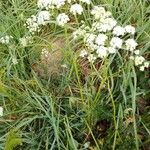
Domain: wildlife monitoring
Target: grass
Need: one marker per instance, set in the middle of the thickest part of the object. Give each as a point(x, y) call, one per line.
point(108, 107)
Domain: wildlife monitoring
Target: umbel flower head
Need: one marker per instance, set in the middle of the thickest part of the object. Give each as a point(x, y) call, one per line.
point(76, 9)
point(62, 19)
point(35, 21)
point(5, 39)
point(50, 4)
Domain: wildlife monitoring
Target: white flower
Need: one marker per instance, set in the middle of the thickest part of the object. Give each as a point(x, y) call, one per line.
point(50, 4)
point(45, 54)
point(137, 52)
point(131, 44)
point(83, 53)
point(98, 12)
point(119, 31)
point(1, 111)
point(146, 64)
point(131, 58)
point(101, 38)
point(62, 19)
point(95, 25)
point(14, 61)
point(43, 17)
point(69, 1)
point(86, 1)
point(32, 24)
point(78, 33)
point(105, 25)
point(25, 40)
point(64, 66)
point(116, 42)
point(89, 38)
point(59, 3)
point(139, 60)
point(110, 22)
point(112, 50)
point(91, 58)
point(108, 14)
point(142, 68)
point(5, 39)
point(44, 4)
point(92, 46)
point(130, 29)
point(102, 52)
point(86, 145)
point(76, 9)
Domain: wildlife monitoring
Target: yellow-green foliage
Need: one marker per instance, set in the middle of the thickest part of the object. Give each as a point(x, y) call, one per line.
point(13, 139)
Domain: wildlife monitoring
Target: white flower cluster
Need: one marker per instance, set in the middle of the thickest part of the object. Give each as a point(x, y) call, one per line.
point(99, 12)
point(76, 9)
point(5, 39)
point(45, 54)
point(32, 24)
point(47, 8)
point(62, 19)
point(131, 44)
point(139, 60)
point(50, 4)
point(83, 1)
point(14, 60)
point(35, 21)
point(104, 25)
point(78, 33)
point(106, 37)
point(24, 41)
